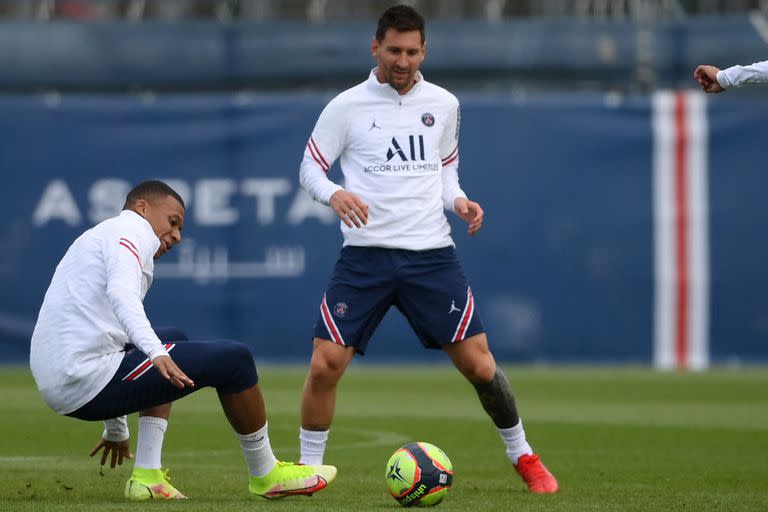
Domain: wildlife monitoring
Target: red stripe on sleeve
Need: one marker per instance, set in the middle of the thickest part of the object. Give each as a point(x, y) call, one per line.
point(131, 249)
point(451, 154)
point(451, 160)
point(317, 160)
point(129, 243)
point(319, 153)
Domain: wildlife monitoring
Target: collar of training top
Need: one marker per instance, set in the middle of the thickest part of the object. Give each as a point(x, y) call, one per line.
point(373, 81)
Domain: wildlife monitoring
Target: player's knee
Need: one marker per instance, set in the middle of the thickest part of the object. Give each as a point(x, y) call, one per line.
point(236, 361)
point(325, 370)
point(239, 353)
point(479, 371)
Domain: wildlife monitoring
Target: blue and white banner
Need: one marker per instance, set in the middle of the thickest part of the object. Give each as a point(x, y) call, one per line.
point(617, 229)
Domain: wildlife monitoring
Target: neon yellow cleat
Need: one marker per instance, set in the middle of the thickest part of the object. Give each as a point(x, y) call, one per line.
point(289, 479)
point(151, 484)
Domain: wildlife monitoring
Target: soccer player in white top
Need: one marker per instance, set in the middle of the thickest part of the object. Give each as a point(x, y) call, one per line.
point(713, 79)
point(397, 138)
point(95, 356)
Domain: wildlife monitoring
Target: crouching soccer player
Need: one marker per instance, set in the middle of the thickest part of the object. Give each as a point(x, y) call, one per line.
point(94, 355)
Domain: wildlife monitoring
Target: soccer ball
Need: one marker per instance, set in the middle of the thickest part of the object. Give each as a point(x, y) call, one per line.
point(419, 474)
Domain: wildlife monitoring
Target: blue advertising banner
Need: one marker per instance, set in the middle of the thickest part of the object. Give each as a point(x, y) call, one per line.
point(564, 268)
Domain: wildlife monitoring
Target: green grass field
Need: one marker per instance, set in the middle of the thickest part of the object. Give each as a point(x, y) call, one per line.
point(617, 439)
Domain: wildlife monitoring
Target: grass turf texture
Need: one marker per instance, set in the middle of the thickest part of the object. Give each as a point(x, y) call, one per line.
point(617, 439)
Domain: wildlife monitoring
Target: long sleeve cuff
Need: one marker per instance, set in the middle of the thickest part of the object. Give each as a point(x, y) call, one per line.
point(451, 188)
point(116, 430)
point(736, 76)
point(449, 200)
point(324, 195)
point(316, 183)
point(722, 79)
point(160, 351)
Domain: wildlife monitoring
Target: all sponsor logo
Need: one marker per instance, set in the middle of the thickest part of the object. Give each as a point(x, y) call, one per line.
point(415, 149)
point(405, 156)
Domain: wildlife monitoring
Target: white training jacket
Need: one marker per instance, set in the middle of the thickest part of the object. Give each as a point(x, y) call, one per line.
point(736, 76)
point(92, 309)
point(400, 154)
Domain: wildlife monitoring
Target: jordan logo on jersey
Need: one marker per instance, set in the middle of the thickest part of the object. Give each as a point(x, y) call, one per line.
point(414, 144)
point(453, 307)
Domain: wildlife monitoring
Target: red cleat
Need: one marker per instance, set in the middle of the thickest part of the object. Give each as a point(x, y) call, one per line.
point(535, 475)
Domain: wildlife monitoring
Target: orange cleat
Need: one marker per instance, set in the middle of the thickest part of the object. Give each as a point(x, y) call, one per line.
point(535, 475)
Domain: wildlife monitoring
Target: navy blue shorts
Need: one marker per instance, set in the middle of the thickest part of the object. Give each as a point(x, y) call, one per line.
point(225, 365)
point(428, 287)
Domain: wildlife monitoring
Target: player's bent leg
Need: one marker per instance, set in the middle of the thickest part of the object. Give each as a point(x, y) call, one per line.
point(158, 411)
point(147, 480)
point(318, 400)
point(474, 360)
point(136, 386)
point(245, 410)
point(269, 477)
point(289, 479)
point(227, 366)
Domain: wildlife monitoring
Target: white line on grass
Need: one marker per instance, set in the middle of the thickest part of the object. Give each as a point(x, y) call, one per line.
point(370, 438)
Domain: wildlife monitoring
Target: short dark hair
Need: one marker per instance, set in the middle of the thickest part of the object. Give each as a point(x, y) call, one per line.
point(149, 190)
point(402, 18)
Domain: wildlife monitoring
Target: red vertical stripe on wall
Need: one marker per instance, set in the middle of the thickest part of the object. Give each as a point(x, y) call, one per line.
point(681, 219)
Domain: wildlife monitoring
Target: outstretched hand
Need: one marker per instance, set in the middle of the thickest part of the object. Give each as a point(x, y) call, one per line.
point(707, 78)
point(470, 212)
point(350, 208)
point(119, 450)
point(171, 372)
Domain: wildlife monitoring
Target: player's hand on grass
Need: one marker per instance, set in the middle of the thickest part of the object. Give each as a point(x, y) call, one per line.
point(119, 450)
point(171, 372)
point(707, 78)
point(470, 212)
point(350, 208)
